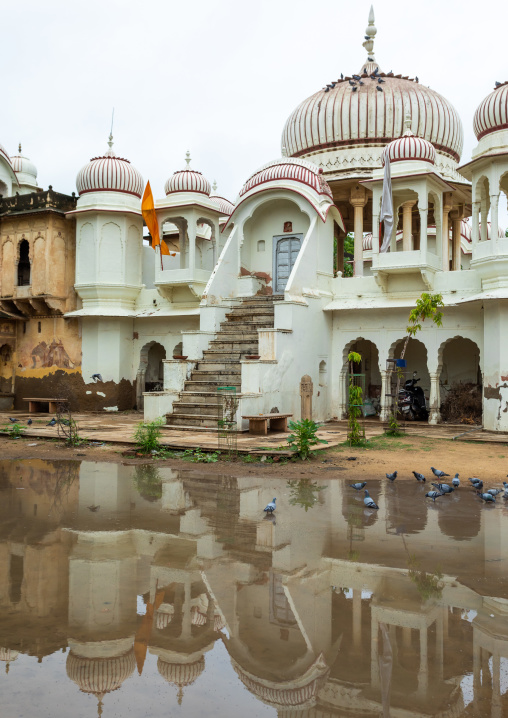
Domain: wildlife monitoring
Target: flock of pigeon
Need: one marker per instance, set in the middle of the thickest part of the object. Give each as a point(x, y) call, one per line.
point(489, 496)
point(357, 81)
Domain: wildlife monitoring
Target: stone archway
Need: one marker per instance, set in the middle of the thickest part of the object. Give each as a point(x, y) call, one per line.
point(150, 376)
point(416, 357)
point(369, 368)
point(460, 379)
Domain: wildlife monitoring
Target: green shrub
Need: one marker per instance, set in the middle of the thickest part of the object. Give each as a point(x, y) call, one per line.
point(304, 437)
point(147, 436)
point(355, 434)
point(15, 430)
point(200, 457)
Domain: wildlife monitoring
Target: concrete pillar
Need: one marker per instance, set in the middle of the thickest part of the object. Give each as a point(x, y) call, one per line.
point(475, 224)
point(358, 199)
point(484, 209)
point(192, 231)
point(424, 212)
point(343, 397)
point(434, 398)
point(407, 225)
point(375, 233)
point(456, 251)
point(406, 637)
point(386, 401)
point(393, 239)
point(495, 365)
point(494, 218)
point(445, 233)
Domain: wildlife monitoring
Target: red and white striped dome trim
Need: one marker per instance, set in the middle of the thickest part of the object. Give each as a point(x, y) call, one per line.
point(289, 168)
point(5, 154)
point(343, 118)
point(181, 674)
point(188, 181)
point(492, 113)
point(224, 205)
point(109, 173)
point(100, 675)
point(409, 147)
point(164, 617)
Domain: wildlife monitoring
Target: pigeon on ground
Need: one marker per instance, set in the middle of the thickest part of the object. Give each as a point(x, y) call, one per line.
point(369, 503)
point(418, 477)
point(13, 421)
point(438, 473)
point(52, 422)
point(29, 422)
point(505, 495)
point(486, 497)
point(359, 486)
point(494, 492)
point(444, 488)
point(434, 495)
point(476, 483)
point(270, 508)
point(391, 477)
point(456, 481)
point(96, 378)
point(93, 508)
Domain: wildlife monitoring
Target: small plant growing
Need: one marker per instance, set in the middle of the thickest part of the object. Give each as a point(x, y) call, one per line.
point(304, 493)
point(200, 457)
point(15, 430)
point(304, 437)
point(355, 434)
point(429, 585)
point(147, 436)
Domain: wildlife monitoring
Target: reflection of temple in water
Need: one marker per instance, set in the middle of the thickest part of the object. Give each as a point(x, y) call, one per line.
point(323, 612)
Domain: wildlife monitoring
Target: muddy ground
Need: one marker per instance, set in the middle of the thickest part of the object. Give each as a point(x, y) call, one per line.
point(489, 461)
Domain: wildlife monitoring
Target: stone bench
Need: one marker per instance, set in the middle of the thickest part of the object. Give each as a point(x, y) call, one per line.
point(259, 423)
point(34, 405)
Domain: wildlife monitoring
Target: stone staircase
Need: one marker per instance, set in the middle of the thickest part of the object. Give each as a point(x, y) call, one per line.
point(220, 366)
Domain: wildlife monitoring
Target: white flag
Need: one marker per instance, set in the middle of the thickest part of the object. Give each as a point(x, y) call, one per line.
point(387, 205)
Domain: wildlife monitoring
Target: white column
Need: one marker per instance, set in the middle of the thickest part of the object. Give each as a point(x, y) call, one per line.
point(445, 234)
point(423, 673)
point(456, 251)
point(439, 646)
point(358, 214)
point(494, 218)
point(192, 231)
point(496, 711)
point(375, 234)
point(407, 225)
point(434, 399)
point(357, 618)
point(374, 649)
point(475, 224)
point(423, 233)
point(484, 215)
point(393, 239)
point(342, 395)
point(386, 401)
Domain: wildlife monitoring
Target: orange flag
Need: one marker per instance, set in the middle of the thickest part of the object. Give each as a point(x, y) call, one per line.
point(148, 212)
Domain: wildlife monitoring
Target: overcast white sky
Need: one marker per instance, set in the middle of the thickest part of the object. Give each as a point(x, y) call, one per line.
point(218, 78)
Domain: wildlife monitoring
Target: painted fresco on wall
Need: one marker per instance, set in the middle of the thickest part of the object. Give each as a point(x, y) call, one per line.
point(54, 354)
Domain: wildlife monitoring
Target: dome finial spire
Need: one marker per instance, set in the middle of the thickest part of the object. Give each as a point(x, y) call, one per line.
point(188, 160)
point(19, 148)
point(407, 123)
point(370, 34)
point(214, 186)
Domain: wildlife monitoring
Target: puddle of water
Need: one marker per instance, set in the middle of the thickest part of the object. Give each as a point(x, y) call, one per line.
point(143, 591)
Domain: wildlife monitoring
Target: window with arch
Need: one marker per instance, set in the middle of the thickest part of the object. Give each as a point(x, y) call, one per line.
point(261, 245)
point(322, 373)
point(24, 264)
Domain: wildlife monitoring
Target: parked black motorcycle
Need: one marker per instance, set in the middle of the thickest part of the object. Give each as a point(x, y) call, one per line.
point(411, 402)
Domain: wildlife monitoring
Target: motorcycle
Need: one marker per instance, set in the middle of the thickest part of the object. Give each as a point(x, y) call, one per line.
point(411, 401)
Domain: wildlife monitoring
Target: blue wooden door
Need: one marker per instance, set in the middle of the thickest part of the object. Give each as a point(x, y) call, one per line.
point(286, 252)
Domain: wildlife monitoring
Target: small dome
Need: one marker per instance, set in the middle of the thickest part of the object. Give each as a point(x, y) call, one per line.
point(100, 675)
point(409, 147)
point(492, 114)
point(181, 674)
point(25, 170)
point(188, 180)
point(7, 655)
point(289, 168)
point(109, 173)
point(224, 206)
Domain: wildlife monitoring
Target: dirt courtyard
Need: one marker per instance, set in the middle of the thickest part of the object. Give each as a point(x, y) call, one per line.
point(489, 461)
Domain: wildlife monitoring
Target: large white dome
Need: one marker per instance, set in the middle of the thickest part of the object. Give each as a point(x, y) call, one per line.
point(109, 173)
point(345, 126)
point(25, 170)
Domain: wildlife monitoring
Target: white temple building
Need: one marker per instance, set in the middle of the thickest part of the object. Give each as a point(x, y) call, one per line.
point(255, 294)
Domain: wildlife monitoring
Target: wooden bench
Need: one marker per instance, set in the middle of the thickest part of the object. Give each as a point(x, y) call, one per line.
point(258, 424)
point(34, 405)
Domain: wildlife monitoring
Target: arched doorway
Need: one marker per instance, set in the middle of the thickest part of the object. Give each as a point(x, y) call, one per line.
point(369, 371)
point(150, 376)
point(416, 362)
point(460, 381)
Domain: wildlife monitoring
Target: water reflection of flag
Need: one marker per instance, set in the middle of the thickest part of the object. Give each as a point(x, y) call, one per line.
point(386, 215)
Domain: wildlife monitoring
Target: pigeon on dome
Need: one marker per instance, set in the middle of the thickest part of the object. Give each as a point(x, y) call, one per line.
point(370, 33)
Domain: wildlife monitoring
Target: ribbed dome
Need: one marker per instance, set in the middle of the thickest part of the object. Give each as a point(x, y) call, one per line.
point(492, 114)
point(409, 147)
point(100, 675)
point(7, 655)
point(181, 674)
point(25, 170)
point(188, 180)
point(289, 168)
point(109, 173)
point(5, 154)
point(224, 206)
point(367, 110)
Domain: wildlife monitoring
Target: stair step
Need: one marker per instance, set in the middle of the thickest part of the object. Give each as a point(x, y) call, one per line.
point(247, 347)
point(191, 409)
point(191, 420)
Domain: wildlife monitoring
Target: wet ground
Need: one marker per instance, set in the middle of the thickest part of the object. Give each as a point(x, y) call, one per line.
point(145, 591)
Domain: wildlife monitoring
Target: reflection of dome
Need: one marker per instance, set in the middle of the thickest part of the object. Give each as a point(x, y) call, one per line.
point(492, 113)
point(7, 655)
point(347, 123)
point(188, 180)
point(181, 674)
point(408, 147)
point(164, 615)
point(109, 173)
point(298, 692)
point(288, 168)
point(100, 675)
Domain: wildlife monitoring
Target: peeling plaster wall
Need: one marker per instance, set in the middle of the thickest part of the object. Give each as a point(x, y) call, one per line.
point(495, 383)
